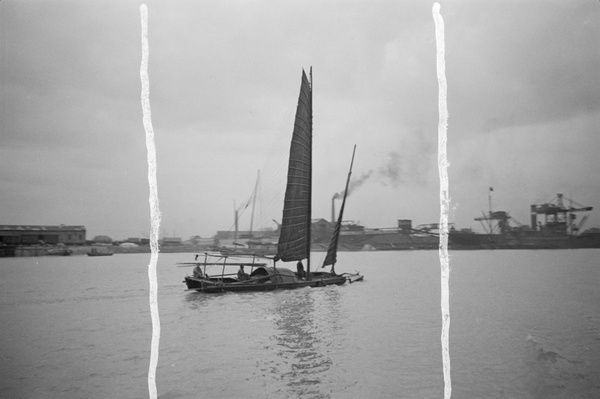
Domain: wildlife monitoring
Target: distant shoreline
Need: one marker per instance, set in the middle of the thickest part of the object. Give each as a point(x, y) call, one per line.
point(38, 250)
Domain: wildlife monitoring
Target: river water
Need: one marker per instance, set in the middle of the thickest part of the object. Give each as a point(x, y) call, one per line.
point(524, 324)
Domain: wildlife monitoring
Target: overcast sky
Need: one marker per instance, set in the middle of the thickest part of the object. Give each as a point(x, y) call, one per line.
point(523, 98)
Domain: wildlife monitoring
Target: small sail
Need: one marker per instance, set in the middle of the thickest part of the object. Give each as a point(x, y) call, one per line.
point(294, 237)
point(331, 257)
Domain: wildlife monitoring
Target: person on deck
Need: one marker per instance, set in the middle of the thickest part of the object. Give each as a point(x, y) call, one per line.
point(198, 271)
point(242, 275)
point(300, 270)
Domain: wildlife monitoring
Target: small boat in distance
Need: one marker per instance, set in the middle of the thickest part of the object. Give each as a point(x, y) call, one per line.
point(295, 233)
point(95, 252)
point(59, 251)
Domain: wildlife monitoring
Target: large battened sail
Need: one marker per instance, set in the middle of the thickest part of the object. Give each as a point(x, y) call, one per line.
point(294, 238)
point(331, 257)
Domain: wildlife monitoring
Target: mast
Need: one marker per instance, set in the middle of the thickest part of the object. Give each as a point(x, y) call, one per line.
point(235, 222)
point(309, 221)
point(254, 202)
point(490, 207)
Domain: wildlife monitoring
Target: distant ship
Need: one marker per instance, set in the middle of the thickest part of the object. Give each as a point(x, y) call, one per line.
point(558, 230)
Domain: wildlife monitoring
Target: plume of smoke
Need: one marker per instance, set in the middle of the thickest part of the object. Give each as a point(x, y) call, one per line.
point(391, 171)
point(357, 183)
point(354, 184)
point(397, 168)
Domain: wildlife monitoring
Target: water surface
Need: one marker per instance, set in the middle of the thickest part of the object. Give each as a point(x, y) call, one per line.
point(524, 324)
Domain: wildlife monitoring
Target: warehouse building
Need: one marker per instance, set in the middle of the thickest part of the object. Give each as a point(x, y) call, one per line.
point(33, 235)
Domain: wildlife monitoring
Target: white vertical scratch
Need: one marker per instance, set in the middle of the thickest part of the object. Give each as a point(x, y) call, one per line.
point(444, 196)
point(154, 209)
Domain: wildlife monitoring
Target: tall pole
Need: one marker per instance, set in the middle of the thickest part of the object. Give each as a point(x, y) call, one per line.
point(235, 222)
point(254, 201)
point(490, 206)
point(346, 190)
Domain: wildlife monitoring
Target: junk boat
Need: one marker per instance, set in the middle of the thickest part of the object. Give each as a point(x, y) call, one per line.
point(295, 232)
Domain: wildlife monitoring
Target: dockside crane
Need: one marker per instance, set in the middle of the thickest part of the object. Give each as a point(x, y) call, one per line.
point(558, 218)
point(501, 219)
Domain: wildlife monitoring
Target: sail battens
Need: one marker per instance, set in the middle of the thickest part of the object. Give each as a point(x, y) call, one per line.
point(295, 244)
point(292, 208)
point(301, 182)
point(294, 168)
point(300, 226)
point(299, 139)
point(295, 224)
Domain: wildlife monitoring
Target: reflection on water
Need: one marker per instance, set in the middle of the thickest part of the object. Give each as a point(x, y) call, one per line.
point(293, 340)
point(197, 300)
point(306, 324)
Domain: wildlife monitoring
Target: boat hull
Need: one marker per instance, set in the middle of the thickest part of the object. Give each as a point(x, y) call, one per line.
point(459, 240)
point(59, 252)
point(211, 286)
